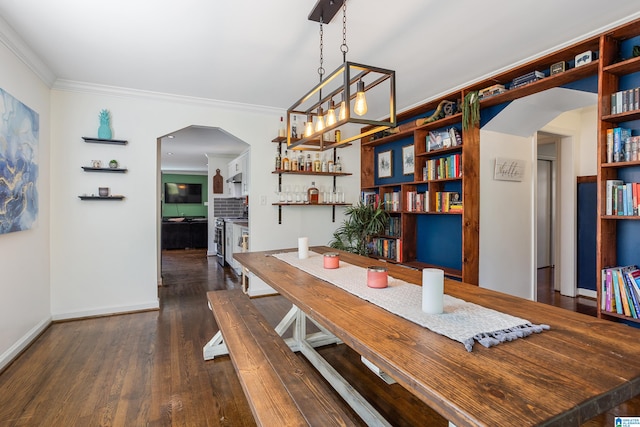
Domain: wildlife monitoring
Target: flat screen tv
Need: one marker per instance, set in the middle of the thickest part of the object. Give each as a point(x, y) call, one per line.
point(177, 192)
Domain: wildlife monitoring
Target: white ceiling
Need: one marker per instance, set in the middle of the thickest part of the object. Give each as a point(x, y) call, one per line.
point(266, 52)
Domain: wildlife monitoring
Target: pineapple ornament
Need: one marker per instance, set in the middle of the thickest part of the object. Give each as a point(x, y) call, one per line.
point(104, 131)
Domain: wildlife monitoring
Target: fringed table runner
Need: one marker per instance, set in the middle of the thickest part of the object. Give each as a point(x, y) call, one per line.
point(461, 321)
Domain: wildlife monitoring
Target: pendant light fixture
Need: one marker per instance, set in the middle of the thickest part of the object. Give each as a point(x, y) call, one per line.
point(363, 90)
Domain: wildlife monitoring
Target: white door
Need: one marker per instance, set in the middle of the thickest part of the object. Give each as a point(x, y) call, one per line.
point(544, 214)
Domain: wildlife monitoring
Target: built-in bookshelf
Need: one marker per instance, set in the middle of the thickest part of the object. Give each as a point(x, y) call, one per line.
point(618, 228)
point(431, 235)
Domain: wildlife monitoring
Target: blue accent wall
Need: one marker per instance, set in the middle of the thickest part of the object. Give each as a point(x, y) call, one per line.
point(587, 271)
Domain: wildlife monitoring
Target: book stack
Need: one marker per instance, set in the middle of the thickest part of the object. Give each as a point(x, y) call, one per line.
point(619, 145)
point(386, 248)
point(393, 227)
point(448, 201)
point(391, 201)
point(621, 198)
point(625, 100)
point(370, 198)
point(621, 290)
point(417, 201)
point(531, 77)
point(437, 140)
point(443, 168)
point(490, 91)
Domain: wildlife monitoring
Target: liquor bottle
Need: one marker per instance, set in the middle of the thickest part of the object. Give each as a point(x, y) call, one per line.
point(324, 165)
point(285, 161)
point(294, 162)
point(308, 166)
point(330, 165)
point(281, 130)
point(317, 167)
point(338, 165)
point(313, 193)
point(278, 160)
point(294, 128)
point(301, 161)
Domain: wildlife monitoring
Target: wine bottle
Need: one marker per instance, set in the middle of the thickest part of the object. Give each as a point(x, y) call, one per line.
point(308, 166)
point(285, 161)
point(294, 128)
point(338, 165)
point(281, 130)
point(317, 166)
point(278, 160)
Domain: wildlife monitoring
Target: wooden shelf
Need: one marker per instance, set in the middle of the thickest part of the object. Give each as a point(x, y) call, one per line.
point(92, 169)
point(611, 249)
point(440, 152)
point(309, 204)
point(105, 141)
point(284, 172)
point(115, 197)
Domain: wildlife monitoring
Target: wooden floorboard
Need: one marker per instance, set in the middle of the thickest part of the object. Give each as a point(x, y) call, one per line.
point(146, 369)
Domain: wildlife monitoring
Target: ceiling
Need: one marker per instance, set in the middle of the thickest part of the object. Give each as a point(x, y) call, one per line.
point(266, 53)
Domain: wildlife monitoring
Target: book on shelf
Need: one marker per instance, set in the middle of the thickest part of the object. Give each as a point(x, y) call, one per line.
point(618, 144)
point(417, 201)
point(443, 168)
point(370, 198)
point(437, 140)
point(621, 199)
point(620, 288)
point(625, 100)
point(385, 247)
point(393, 227)
point(448, 201)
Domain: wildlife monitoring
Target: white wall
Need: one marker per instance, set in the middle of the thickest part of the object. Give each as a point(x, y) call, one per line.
point(506, 217)
point(24, 255)
point(507, 223)
point(105, 252)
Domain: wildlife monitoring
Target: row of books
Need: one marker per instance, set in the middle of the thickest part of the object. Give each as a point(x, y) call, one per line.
point(526, 79)
point(417, 201)
point(621, 290)
point(386, 248)
point(619, 141)
point(445, 201)
point(490, 91)
point(443, 167)
point(393, 227)
point(625, 100)
point(621, 199)
point(437, 140)
point(448, 201)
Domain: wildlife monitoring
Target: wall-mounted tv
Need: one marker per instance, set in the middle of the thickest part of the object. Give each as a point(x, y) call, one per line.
point(177, 192)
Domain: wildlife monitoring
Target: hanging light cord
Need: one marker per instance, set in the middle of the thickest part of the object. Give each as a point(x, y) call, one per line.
point(321, 68)
point(343, 47)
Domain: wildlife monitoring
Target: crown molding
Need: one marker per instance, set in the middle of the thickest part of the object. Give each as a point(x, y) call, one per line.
point(98, 89)
point(10, 38)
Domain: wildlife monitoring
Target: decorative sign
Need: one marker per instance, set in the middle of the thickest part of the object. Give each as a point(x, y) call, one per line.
point(508, 169)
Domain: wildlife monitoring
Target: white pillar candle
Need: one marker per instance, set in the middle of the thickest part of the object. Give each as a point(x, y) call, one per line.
point(432, 290)
point(303, 247)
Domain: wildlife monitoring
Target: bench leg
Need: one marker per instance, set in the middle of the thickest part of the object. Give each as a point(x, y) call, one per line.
point(215, 347)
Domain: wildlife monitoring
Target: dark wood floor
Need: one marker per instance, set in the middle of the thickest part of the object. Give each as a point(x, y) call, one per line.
point(146, 369)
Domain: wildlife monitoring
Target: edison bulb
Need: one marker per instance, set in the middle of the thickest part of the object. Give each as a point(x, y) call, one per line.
point(343, 110)
point(320, 121)
point(308, 128)
point(331, 115)
point(360, 106)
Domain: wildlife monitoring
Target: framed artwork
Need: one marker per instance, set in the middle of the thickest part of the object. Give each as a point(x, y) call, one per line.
point(408, 163)
point(19, 134)
point(385, 164)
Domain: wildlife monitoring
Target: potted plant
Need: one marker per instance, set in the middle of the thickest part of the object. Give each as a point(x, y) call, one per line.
point(362, 223)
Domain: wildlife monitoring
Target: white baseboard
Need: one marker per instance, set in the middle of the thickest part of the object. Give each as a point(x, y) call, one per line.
point(106, 311)
point(24, 342)
point(587, 293)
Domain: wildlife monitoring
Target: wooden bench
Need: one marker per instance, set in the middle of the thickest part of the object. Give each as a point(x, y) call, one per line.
point(281, 388)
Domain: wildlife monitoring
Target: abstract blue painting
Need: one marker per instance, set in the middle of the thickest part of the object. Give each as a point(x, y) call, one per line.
point(19, 132)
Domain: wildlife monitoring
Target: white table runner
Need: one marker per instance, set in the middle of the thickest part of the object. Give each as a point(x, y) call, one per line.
point(461, 321)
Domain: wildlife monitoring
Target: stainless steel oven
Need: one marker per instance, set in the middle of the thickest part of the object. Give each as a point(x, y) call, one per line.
point(218, 239)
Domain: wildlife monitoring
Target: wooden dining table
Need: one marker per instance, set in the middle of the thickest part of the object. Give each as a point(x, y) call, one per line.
point(580, 367)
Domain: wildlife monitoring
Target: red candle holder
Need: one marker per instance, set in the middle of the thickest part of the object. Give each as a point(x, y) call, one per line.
point(377, 277)
point(331, 260)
